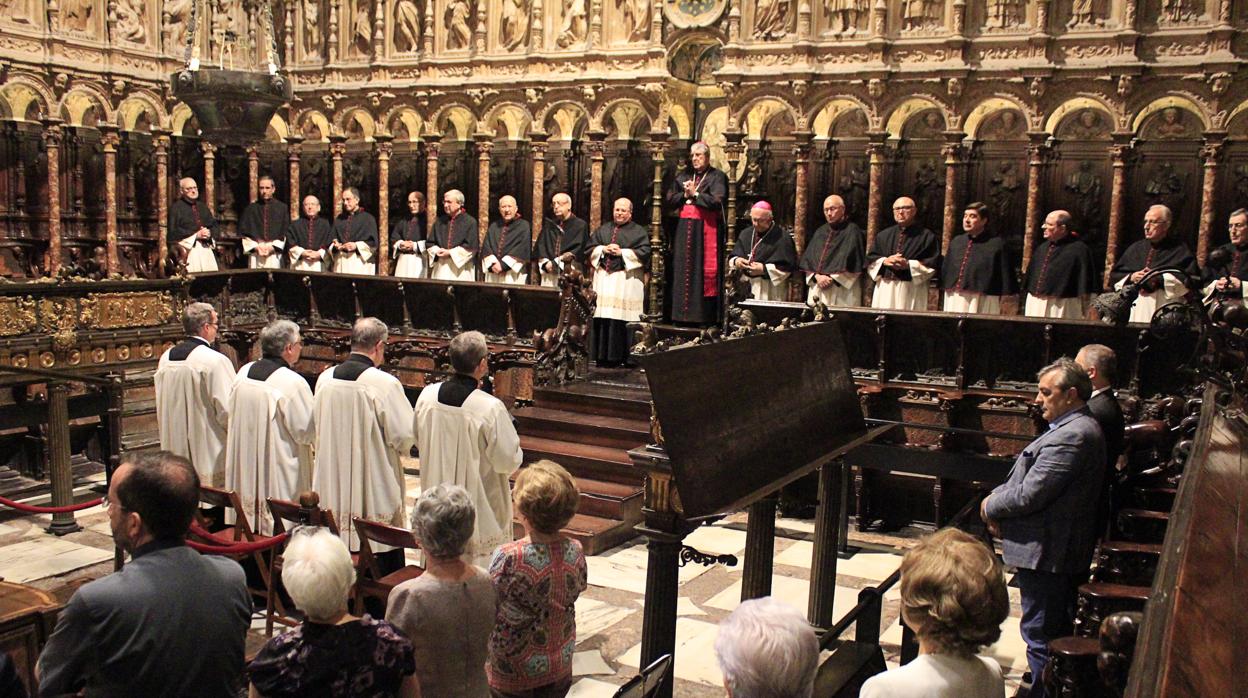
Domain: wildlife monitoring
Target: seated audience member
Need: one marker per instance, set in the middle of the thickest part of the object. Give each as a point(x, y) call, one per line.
point(538, 579)
point(766, 648)
point(448, 611)
point(333, 653)
point(953, 596)
point(171, 622)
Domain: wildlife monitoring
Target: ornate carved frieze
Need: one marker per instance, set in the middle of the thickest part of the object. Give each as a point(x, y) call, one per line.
point(110, 311)
point(17, 315)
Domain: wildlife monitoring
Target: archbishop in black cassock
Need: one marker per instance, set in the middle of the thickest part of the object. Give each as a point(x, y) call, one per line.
point(698, 197)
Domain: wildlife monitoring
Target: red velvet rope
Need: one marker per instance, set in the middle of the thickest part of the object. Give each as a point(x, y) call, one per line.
point(32, 509)
point(236, 548)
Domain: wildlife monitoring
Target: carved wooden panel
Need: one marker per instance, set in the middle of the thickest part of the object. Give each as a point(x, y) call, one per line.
point(1079, 175)
point(1169, 172)
point(997, 175)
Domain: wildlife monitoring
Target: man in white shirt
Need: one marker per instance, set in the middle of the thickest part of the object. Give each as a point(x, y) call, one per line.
point(268, 452)
point(466, 437)
point(192, 389)
point(363, 429)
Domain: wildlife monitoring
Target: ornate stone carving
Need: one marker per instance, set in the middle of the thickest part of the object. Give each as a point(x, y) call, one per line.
point(1090, 51)
point(1171, 124)
point(130, 24)
point(24, 12)
point(1178, 12)
point(1085, 14)
point(17, 315)
point(1166, 187)
point(513, 28)
point(771, 19)
point(922, 15)
point(1006, 183)
point(636, 18)
point(311, 29)
point(406, 26)
point(574, 25)
point(1004, 14)
point(1088, 125)
point(75, 15)
point(845, 16)
point(1175, 48)
point(458, 32)
point(358, 28)
point(1087, 187)
point(110, 311)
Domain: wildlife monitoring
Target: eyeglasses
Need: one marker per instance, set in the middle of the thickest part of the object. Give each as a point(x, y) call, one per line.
point(902, 208)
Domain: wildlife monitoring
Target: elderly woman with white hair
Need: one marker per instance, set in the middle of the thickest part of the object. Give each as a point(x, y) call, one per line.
point(766, 649)
point(449, 610)
point(333, 653)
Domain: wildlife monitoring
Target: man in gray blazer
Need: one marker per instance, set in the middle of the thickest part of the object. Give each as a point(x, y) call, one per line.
point(1045, 512)
point(172, 622)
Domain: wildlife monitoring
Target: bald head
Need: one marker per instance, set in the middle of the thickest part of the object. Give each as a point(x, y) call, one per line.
point(834, 209)
point(904, 211)
point(507, 208)
point(188, 188)
point(622, 211)
point(562, 203)
point(311, 206)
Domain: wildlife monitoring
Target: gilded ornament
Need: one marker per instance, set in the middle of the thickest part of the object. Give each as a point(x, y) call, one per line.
point(123, 353)
point(17, 316)
point(110, 311)
point(74, 357)
point(47, 359)
point(145, 350)
point(20, 361)
point(98, 355)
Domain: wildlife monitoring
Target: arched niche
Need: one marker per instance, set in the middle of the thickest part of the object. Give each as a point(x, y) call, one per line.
point(1232, 190)
point(839, 160)
point(627, 170)
point(1079, 176)
point(919, 171)
point(567, 161)
point(1169, 171)
point(997, 170)
point(457, 162)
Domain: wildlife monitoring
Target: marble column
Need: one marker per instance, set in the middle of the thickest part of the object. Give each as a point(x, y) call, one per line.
point(1037, 149)
point(658, 150)
point(209, 188)
point(1119, 155)
point(597, 147)
point(61, 474)
point(537, 141)
point(801, 164)
point(160, 150)
point(385, 149)
point(337, 148)
point(485, 146)
point(53, 136)
point(877, 156)
point(433, 147)
point(1211, 153)
point(253, 173)
point(110, 139)
point(294, 149)
point(952, 151)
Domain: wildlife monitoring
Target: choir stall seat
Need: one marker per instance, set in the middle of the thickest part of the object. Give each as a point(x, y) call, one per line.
point(370, 583)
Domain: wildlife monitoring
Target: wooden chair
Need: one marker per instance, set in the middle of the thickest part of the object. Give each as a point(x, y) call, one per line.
point(647, 683)
point(240, 531)
point(370, 582)
point(288, 514)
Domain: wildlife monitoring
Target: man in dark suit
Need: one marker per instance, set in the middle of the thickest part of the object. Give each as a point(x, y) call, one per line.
point(172, 622)
point(1101, 364)
point(1045, 511)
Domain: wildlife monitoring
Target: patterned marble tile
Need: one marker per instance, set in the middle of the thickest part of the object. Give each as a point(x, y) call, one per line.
point(695, 652)
point(590, 688)
point(47, 556)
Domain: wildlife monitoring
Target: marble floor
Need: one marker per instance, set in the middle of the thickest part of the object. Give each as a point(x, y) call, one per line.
point(608, 614)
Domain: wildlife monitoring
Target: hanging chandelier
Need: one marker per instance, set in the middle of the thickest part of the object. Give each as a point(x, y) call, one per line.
point(237, 89)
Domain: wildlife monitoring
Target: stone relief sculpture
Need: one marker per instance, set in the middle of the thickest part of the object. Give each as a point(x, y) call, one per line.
point(1171, 124)
point(76, 14)
point(921, 14)
point(1004, 14)
point(407, 26)
point(1004, 125)
point(311, 29)
point(1167, 187)
point(1241, 183)
point(572, 31)
point(514, 24)
point(129, 14)
point(1087, 126)
point(360, 36)
point(179, 12)
point(843, 15)
point(458, 33)
point(1086, 185)
point(1178, 11)
point(771, 19)
point(1083, 13)
point(24, 11)
point(636, 16)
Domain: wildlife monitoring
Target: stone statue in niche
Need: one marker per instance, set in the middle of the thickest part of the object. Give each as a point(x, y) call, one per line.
point(771, 19)
point(1005, 124)
point(572, 30)
point(1083, 13)
point(636, 16)
point(927, 127)
point(921, 14)
point(1087, 126)
point(514, 25)
point(1166, 187)
point(1004, 14)
point(407, 26)
point(1171, 124)
point(24, 11)
point(929, 189)
point(1178, 11)
point(311, 34)
point(1086, 185)
point(130, 21)
point(1004, 190)
point(361, 33)
point(76, 14)
point(853, 188)
point(458, 33)
point(749, 180)
point(843, 15)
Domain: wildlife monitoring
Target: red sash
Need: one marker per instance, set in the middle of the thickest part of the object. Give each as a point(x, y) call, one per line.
point(710, 246)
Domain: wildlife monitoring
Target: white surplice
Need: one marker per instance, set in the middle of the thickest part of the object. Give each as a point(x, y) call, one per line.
point(621, 294)
point(845, 291)
point(198, 257)
point(1172, 291)
point(476, 447)
point(271, 261)
point(297, 262)
point(550, 277)
point(1074, 308)
point(895, 294)
point(191, 409)
point(268, 452)
point(457, 266)
point(971, 303)
point(773, 285)
point(513, 270)
point(359, 262)
point(362, 428)
point(409, 265)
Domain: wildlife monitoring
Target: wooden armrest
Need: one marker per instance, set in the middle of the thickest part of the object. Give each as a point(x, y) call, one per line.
point(1107, 590)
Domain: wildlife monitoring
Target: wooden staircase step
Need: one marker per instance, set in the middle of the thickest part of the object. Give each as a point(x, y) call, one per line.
point(583, 460)
point(599, 430)
point(595, 398)
point(611, 500)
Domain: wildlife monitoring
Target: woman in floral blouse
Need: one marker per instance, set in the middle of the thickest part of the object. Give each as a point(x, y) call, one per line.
point(538, 579)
